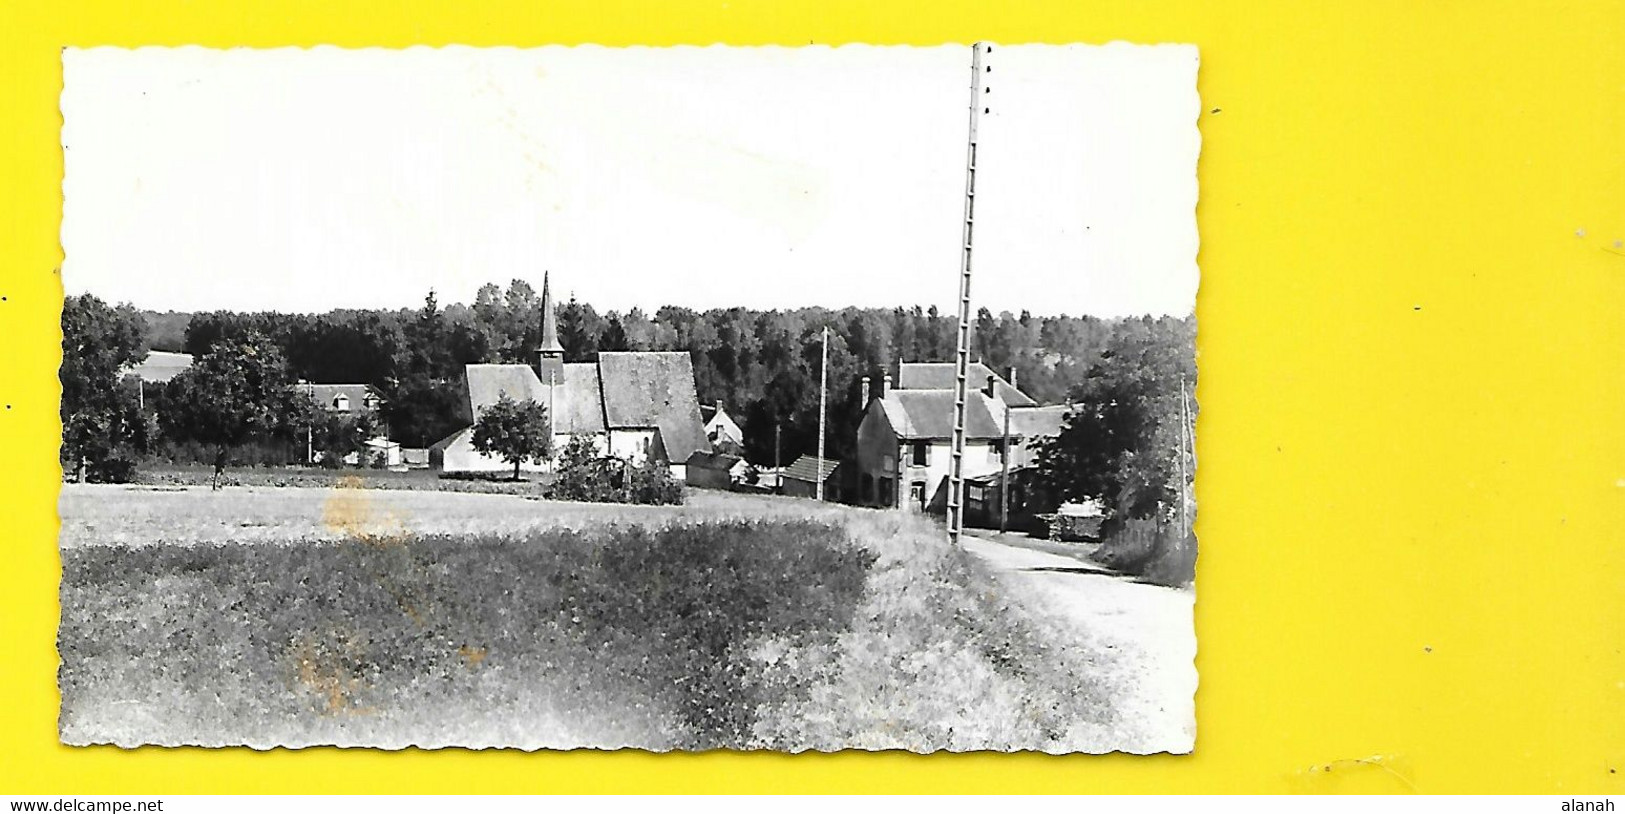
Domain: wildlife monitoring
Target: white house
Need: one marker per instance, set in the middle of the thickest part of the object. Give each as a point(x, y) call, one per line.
point(905, 439)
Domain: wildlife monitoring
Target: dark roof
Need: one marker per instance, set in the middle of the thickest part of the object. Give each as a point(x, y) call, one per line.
point(1038, 422)
point(442, 444)
point(929, 414)
point(654, 389)
point(487, 384)
point(809, 467)
point(941, 376)
point(579, 407)
point(160, 366)
point(713, 460)
point(326, 396)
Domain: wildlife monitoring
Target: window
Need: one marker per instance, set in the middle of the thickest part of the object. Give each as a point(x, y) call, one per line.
point(996, 449)
point(919, 454)
point(342, 403)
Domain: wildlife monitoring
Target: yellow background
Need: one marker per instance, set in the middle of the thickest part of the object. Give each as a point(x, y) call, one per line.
point(1413, 421)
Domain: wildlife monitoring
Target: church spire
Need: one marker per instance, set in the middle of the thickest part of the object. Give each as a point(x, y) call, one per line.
point(550, 346)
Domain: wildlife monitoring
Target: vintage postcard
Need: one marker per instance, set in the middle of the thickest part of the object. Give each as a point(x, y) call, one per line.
point(659, 398)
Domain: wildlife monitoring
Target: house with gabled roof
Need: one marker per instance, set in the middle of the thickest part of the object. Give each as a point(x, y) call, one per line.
point(633, 405)
point(905, 439)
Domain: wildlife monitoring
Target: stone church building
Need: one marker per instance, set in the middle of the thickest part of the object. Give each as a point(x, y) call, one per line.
point(633, 405)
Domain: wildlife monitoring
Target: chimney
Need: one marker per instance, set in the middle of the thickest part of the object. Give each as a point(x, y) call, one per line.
point(863, 392)
point(885, 386)
point(719, 406)
point(992, 387)
point(1013, 377)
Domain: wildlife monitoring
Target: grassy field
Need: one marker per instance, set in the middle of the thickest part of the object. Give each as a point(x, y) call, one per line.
point(305, 616)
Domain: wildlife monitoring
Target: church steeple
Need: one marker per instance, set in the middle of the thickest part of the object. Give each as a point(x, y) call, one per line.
point(550, 324)
point(549, 354)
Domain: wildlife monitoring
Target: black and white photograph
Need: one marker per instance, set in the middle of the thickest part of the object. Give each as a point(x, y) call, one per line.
point(751, 398)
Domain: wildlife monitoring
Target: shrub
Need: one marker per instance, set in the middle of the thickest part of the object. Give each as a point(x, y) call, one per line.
point(1151, 550)
point(652, 485)
point(585, 476)
point(113, 468)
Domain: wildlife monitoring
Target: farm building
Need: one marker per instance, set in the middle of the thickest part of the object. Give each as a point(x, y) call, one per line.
point(801, 478)
point(159, 366)
point(905, 439)
point(721, 429)
point(345, 399)
point(632, 405)
point(717, 470)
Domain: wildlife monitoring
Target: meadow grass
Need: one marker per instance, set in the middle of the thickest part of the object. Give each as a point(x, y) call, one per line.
point(304, 616)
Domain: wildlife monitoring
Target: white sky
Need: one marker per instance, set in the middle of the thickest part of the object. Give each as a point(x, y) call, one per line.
point(764, 177)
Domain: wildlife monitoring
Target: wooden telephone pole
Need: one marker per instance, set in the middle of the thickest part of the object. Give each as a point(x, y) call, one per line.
point(956, 476)
point(823, 388)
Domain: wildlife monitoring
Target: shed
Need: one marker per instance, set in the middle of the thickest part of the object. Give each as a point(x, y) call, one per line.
point(802, 477)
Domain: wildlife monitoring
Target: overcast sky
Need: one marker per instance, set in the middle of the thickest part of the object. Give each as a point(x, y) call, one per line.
point(764, 177)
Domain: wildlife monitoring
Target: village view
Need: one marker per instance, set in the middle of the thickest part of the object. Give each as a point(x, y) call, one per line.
point(743, 591)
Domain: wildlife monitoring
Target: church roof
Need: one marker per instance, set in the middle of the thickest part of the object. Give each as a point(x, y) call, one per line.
point(580, 407)
point(489, 383)
point(620, 391)
point(654, 389)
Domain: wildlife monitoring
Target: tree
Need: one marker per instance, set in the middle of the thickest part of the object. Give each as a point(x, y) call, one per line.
point(515, 431)
point(614, 336)
point(337, 435)
point(100, 417)
point(240, 390)
point(1121, 441)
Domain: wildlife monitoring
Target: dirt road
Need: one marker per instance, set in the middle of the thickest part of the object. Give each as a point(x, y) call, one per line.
point(1149, 628)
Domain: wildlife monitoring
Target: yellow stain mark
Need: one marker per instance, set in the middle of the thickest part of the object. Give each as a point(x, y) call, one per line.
point(325, 673)
point(472, 656)
point(357, 515)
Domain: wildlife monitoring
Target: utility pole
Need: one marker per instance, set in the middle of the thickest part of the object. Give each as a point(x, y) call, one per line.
point(310, 425)
point(1004, 475)
point(956, 493)
point(778, 466)
point(823, 388)
point(1186, 436)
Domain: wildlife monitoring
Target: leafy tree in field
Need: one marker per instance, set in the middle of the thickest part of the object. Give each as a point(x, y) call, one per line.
point(237, 392)
point(336, 435)
point(100, 419)
point(515, 431)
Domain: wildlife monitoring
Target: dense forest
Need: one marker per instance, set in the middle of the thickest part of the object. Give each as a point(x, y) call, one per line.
point(763, 365)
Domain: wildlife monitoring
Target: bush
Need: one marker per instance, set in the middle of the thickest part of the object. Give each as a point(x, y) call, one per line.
point(112, 469)
point(652, 485)
point(1150, 550)
point(587, 477)
point(486, 477)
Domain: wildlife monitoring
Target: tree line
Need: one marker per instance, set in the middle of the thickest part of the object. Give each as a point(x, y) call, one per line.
point(763, 365)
